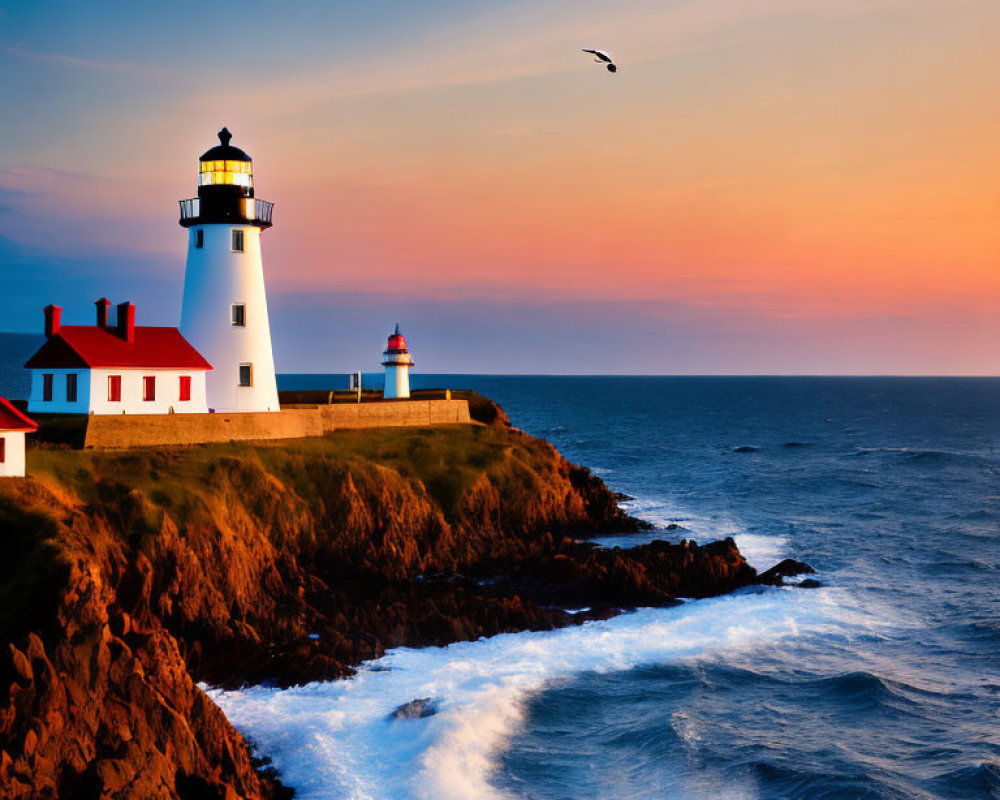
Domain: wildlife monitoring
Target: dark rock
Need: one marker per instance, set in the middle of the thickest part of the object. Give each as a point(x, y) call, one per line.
point(785, 569)
point(746, 449)
point(621, 497)
point(810, 583)
point(796, 444)
point(416, 709)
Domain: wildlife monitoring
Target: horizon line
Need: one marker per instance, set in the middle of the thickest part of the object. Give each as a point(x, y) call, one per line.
point(662, 375)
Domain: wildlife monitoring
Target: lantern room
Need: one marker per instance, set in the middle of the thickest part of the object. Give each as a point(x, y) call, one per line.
point(225, 165)
point(397, 342)
point(225, 189)
point(226, 173)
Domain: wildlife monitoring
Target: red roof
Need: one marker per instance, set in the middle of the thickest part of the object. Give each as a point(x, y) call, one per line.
point(13, 420)
point(91, 346)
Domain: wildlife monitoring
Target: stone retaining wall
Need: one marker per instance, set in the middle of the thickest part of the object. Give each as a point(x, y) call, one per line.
point(112, 431)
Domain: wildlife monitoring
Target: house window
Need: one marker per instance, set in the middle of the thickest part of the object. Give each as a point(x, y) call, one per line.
point(246, 374)
point(71, 387)
point(199, 239)
point(47, 380)
point(149, 388)
point(237, 241)
point(185, 393)
point(114, 388)
point(3, 450)
point(239, 315)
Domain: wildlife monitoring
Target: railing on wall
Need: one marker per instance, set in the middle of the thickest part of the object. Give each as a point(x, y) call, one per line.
point(190, 209)
point(250, 209)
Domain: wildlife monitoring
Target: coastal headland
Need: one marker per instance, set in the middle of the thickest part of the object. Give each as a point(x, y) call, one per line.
point(131, 576)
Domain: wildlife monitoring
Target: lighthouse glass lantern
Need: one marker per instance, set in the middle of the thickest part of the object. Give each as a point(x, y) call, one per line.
point(224, 311)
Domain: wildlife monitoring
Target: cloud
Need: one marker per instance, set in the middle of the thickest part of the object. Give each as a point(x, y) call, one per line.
point(74, 62)
point(533, 40)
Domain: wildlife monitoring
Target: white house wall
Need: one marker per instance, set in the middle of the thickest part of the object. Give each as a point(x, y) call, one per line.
point(92, 392)
point(168, 392)
point(59, 404)
point(13, 463)
point(215, 278)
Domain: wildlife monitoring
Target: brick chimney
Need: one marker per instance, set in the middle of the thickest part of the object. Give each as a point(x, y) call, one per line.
point(102, 312)
point(126, 322)
point(53, 320)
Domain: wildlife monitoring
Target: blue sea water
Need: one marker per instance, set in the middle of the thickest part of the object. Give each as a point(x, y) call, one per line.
point(15, 349)
point(884, 683)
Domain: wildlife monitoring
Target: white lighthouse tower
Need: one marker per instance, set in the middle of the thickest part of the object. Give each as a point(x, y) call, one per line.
point(224, 312)
point(397, 362)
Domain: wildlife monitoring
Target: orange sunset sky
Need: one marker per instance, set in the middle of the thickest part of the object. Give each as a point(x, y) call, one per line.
point(765, 186)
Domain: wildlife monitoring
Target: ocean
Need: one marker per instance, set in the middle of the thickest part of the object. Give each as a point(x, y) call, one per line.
point(883, 683)
point(15, 349)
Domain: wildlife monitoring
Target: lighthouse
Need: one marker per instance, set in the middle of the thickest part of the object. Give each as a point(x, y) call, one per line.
point(224, 311)
point(397, 362)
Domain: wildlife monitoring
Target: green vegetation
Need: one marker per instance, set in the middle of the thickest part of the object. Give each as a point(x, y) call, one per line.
point(446, 460)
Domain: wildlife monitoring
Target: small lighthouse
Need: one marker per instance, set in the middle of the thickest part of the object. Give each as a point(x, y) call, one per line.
point(224, 312)
point(397, 362)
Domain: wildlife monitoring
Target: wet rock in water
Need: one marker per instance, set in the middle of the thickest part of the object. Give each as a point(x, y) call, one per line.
point(746, 448)
point(810, 583)
point(796, 444)
point(416, 709)
point(672, 526)
point(621, 497)
point(785, 569)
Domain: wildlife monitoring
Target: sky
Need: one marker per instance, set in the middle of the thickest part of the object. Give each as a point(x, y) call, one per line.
point(764, 187)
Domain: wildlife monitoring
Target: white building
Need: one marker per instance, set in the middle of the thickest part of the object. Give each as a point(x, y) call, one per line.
point(397, 362)
point(115, 367)
point(13, 426)
point(224, 312)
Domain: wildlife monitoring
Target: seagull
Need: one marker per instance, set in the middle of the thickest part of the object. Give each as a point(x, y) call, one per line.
point(602, 58)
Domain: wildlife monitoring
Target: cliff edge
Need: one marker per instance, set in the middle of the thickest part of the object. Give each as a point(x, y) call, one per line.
point(130, 576)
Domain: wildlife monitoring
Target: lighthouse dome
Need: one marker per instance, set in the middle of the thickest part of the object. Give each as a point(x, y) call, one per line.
point(397, 341)
point(225, 151)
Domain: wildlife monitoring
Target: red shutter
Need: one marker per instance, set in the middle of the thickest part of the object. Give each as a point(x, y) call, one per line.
point(185, 388)
point(114, 388)
point(149, 388)
point(3, 449)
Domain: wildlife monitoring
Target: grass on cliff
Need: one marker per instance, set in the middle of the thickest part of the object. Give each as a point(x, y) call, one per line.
point(446, 460)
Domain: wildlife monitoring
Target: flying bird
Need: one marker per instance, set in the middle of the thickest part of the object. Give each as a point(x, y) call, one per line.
point(602, 58)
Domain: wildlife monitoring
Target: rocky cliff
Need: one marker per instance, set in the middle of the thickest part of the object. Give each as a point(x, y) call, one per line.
point(129, 577)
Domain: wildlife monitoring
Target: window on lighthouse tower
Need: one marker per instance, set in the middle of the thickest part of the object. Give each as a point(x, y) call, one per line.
point(246, 374)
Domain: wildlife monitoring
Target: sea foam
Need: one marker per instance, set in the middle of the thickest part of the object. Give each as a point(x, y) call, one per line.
point(761, 551)
point(337, 740)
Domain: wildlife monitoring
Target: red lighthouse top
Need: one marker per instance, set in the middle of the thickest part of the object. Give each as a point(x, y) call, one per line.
point(397, 341)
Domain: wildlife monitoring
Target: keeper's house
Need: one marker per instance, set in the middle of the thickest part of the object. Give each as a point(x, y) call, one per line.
point(13, 426)
point(115, 367)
